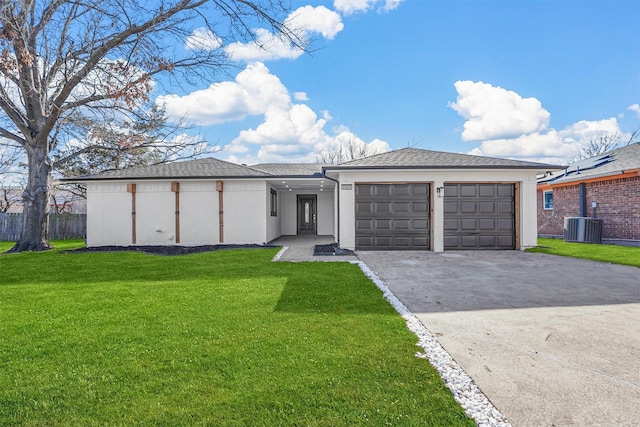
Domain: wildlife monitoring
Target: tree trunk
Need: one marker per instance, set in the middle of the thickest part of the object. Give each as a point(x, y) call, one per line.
point(35, 216)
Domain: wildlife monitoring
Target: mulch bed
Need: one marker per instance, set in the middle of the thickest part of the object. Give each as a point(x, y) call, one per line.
point(330, 249)
point(168, 250)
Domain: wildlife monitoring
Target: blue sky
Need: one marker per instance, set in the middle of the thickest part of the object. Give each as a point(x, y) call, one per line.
point(531, 80)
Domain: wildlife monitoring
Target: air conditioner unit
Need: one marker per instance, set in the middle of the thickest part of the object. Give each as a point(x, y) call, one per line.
point(582, 229)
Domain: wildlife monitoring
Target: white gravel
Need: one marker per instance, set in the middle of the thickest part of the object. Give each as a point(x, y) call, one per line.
point(465, 391)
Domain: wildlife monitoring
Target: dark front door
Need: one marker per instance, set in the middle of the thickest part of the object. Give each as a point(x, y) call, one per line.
point(307, 214)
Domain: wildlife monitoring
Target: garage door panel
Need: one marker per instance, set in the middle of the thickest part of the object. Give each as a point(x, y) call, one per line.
point(468, 224)
point(505, 224)
point(505, 207)
point(479, 216)
point(396, 216)
point(401, 207)
point(506, 241)
point(364, 225)
point(402, 224)
point(505, 190)
point(382, 207)
point(467, 207)
point(381, 224)
point(486, 190)
point(469, 241)
point(364, 207)
point(487, 241)
point(451, 224)
point(450, 207)
point(487, 207)
point(421, 224)
point(421, 190)
point(450, 191)
point(468, 190)
point(486, 224)
point(420, 207)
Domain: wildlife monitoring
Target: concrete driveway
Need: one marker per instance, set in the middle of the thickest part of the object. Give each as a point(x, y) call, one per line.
point(551, 341)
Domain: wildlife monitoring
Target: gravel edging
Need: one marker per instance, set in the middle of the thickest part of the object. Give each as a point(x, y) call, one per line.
point(475, 404)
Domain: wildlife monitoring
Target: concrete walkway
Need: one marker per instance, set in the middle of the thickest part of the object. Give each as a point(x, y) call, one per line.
point(300, 248)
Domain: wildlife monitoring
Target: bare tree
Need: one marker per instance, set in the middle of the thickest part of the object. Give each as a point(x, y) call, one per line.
point(6, 199)
point(63, 59)
point(9, 157)
point(145, 141)
point(604, 142)
point(351, 149)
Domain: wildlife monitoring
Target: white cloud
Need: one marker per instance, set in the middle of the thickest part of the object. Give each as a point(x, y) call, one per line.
point(254, 89)
point(303, 21)
point(204, 39)
point(510, 126)
point(309, 19)
point(493, 112)
point(391, 5)
point(348, 7)
point(635, 108)
point(267, 46)
point(300, 96)
point(289, 131)
point(552, 146)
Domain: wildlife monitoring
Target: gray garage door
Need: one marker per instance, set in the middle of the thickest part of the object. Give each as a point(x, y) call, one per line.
point(392, 216)
point(479, 216)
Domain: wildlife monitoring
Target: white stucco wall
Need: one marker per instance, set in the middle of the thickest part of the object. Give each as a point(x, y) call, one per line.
point(325, 213)
point(108, 214)
point(245, 212)
point(199, 219)
point(527, 213)
point(274, 227)
point(155, 213)
point(245, 206)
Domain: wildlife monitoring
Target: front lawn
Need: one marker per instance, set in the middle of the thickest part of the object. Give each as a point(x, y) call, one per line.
point(614, 254)
point(219, 338)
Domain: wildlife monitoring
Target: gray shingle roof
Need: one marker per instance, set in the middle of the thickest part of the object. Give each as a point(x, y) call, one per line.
point(418, 158)
point(614, 162)
point(289, 169)
point(201, 168)
point(405, 158)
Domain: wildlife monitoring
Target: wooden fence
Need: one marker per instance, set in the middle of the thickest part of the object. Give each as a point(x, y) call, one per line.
point(61, 226)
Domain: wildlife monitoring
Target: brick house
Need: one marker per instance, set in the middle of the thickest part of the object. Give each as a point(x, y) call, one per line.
point(606, 186)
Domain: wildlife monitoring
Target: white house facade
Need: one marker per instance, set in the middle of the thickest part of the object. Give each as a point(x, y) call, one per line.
point(408, 199)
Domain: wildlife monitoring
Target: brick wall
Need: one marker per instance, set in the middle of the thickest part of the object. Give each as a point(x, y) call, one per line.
point(618, 206)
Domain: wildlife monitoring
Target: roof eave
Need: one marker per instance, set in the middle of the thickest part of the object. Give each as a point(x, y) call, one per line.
point(541, 167)
point(201, 177)
point(578, 178)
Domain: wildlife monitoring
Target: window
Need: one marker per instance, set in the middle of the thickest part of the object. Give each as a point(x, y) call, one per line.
point(548, 199)
point(274, 203)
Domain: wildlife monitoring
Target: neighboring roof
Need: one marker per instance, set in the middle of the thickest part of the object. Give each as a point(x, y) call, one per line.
point(290, 169)
point(414, 158)
point(616, 162)
point(201, 168)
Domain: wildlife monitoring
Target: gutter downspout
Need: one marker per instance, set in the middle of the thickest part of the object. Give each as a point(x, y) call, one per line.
point(324, 174)
point(583, 199)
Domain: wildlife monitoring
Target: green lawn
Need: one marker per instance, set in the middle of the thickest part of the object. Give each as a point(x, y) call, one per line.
point(614, 254)
point(220, 338)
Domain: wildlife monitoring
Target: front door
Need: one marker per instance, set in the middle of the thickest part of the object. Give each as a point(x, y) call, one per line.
point(307, 214)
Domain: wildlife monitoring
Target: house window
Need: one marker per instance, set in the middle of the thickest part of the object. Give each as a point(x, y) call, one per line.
point(274, 203)
point(548, 199)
